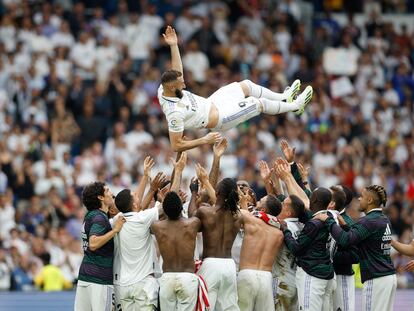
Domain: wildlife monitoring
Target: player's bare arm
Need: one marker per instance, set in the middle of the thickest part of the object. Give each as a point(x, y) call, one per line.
point(282, 170)
point(154, 186)
point(218, 150)
point(178, 143)
point(205, 183)
point(171, 39)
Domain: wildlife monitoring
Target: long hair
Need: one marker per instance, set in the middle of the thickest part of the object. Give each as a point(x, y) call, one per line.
point(227, 191)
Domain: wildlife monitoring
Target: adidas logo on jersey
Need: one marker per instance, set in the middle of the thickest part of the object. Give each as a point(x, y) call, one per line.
point(387, 234)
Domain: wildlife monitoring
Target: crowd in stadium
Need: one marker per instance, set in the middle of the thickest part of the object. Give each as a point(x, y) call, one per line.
point(78, 103)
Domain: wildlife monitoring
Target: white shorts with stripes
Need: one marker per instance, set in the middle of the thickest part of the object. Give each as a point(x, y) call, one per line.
point(344, 296)
point(94, 297)
point(233, 107)
point(314, 294)
point(379, 294)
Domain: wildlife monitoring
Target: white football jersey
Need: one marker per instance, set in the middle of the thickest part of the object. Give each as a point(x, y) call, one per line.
point(284, 267)
point(189, 112)
point(134, 249)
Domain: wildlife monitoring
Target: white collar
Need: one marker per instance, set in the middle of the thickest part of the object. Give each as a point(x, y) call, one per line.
point(375, 210)
point(320, 212)
point(292, 219)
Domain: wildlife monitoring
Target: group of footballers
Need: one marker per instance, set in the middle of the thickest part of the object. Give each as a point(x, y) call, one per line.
point(227, 251)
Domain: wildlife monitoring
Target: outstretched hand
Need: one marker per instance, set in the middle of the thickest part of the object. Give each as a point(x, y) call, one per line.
point(287, 150)
point(170, 36)
point(304, 172)
point(265, 172)
point(148, 165)
point(157, 181)
point(201, 173)
point(220, 147)
point(212, 138)
point(282, 169)
point(182, 161)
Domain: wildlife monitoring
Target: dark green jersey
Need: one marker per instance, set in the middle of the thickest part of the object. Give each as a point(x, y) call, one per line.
point(96, 265)
point(345, 257)
point(311, 249)
point(372, 235)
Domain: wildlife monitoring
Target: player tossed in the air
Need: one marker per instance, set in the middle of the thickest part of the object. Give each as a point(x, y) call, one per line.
point(224, 109)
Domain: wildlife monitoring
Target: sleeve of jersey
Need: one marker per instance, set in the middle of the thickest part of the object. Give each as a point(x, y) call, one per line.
point(175, 122)
point(98, 227)
point(306, 237)
point(356, 234)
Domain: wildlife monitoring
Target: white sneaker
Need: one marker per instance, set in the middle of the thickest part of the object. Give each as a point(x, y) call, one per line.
point(303, 99)
point(291, 91)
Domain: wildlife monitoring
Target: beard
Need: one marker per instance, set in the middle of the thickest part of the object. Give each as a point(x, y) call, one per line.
point(179, 93)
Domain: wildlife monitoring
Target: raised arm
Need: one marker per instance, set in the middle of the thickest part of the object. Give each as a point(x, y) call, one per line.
point(139, 192)
point(192, 206)
point(178, 170)
point(154, 186)
point(282, 170)
point(218, 150)
point(171, 39)
point(179, 143)
point(266, 174)
point(202, 176)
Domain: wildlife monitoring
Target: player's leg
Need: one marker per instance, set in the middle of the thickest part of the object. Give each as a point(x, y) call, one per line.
point(212, 278)
point(168, 297)
point(187, 289)
point(145, 294)
point(329, 295)
point(286, 297)
point(344, 296)
point(257, 91)
point(247, 289)
point(227, 298)
point(83, 298)
point(102, 297)
point(276, 107)
point(383, 293)
point(264, 300)
point(311, 291)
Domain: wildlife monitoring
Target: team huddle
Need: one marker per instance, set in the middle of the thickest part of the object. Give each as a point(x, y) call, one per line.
point(227, 251)
point(222, 249)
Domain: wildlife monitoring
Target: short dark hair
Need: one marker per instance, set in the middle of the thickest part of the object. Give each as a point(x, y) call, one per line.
point(124, 201)
point(273, 205)
point(90, 195)
point(45, 257)
point(297, 206)
point(339, 197)
point(320, 199)
point(348, 193)
point(170, 75)
point(172, 205)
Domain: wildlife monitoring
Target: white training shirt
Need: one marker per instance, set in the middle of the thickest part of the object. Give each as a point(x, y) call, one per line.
point(284, 267)
point(134, 248)
point(189, 112)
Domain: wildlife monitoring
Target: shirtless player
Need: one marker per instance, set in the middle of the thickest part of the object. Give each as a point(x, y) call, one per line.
point(176, 237)
point(224, 109)
point(220, 225)
point(261, 244)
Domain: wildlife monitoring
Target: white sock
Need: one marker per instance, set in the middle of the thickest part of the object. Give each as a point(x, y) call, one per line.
point(277, 106)
point(258, 91)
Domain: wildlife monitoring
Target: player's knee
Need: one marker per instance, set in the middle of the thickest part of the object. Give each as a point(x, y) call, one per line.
point(245, 85)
